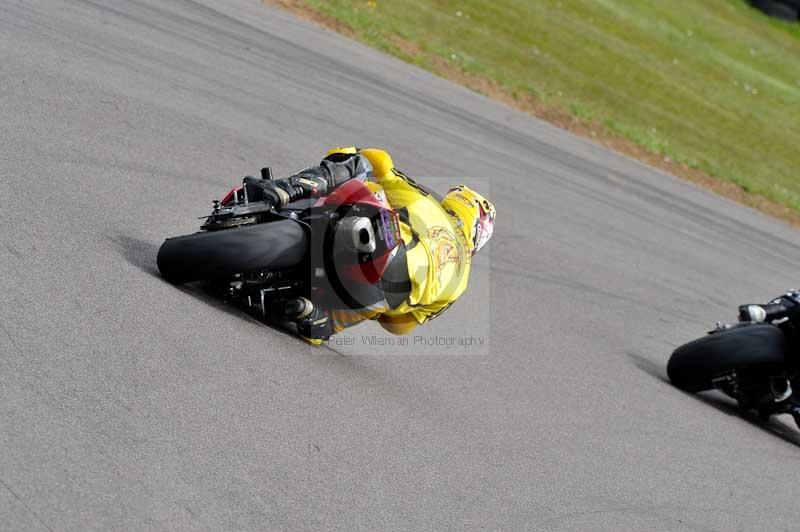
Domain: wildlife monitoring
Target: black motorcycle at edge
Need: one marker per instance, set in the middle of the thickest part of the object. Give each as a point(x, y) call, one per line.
point(752, 362)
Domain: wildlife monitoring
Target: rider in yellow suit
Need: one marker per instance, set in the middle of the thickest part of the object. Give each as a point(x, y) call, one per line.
point(439, 240)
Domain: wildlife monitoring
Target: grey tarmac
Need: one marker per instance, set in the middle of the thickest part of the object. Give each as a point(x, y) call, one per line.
point(130, 404)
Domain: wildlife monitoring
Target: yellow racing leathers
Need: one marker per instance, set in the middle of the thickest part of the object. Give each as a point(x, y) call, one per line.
point(437, 252)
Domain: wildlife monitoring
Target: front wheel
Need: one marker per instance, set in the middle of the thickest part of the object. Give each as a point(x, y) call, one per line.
point(693, 366)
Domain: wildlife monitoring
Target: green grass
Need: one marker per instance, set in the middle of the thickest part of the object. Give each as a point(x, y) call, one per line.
point(713, 84)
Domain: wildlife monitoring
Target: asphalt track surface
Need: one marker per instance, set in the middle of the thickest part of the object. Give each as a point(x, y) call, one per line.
point(129, 404)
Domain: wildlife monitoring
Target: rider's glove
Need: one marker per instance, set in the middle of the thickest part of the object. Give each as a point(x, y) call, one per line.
point(274, 195)
point(315, 181)
point(310, 182)
point(279, 192)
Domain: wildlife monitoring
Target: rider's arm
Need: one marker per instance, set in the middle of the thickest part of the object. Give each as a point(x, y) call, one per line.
point(332, 171)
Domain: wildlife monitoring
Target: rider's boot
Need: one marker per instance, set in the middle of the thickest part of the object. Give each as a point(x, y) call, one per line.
point(780, 399)
point(313, 323)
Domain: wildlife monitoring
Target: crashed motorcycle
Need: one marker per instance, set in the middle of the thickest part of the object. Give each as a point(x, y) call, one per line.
point(328, 249)
point(753, 362)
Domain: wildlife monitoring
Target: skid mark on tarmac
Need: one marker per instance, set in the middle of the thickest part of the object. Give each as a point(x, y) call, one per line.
point(25, 505)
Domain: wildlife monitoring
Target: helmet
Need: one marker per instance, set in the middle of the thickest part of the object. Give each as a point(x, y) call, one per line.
point(473, 213)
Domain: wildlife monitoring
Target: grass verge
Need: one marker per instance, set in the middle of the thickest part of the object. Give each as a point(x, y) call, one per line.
point(707, 90)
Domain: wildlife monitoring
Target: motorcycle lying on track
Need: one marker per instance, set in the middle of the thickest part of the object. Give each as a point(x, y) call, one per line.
point(327, 248)
point(754, 362)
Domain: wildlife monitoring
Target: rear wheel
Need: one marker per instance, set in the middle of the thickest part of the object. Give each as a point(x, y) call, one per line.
point(758, 347)
point(219, 254)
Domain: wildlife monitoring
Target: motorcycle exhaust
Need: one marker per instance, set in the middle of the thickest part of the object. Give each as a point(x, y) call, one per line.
point(357, 234)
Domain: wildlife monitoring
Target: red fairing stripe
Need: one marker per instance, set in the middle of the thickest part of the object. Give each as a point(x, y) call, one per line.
point(354, 191)
point(229, 196)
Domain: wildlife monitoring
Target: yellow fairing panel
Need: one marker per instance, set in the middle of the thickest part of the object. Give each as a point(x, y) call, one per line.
point(380, 160)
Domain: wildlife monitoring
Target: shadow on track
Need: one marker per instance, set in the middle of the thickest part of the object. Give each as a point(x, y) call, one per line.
point(142, 255)
point(139, 253)
point(720, 402)
point(728, 406)
point(655, 370)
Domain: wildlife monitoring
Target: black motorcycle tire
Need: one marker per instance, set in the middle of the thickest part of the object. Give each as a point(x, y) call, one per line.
point(225, 253)
point(692, 366)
